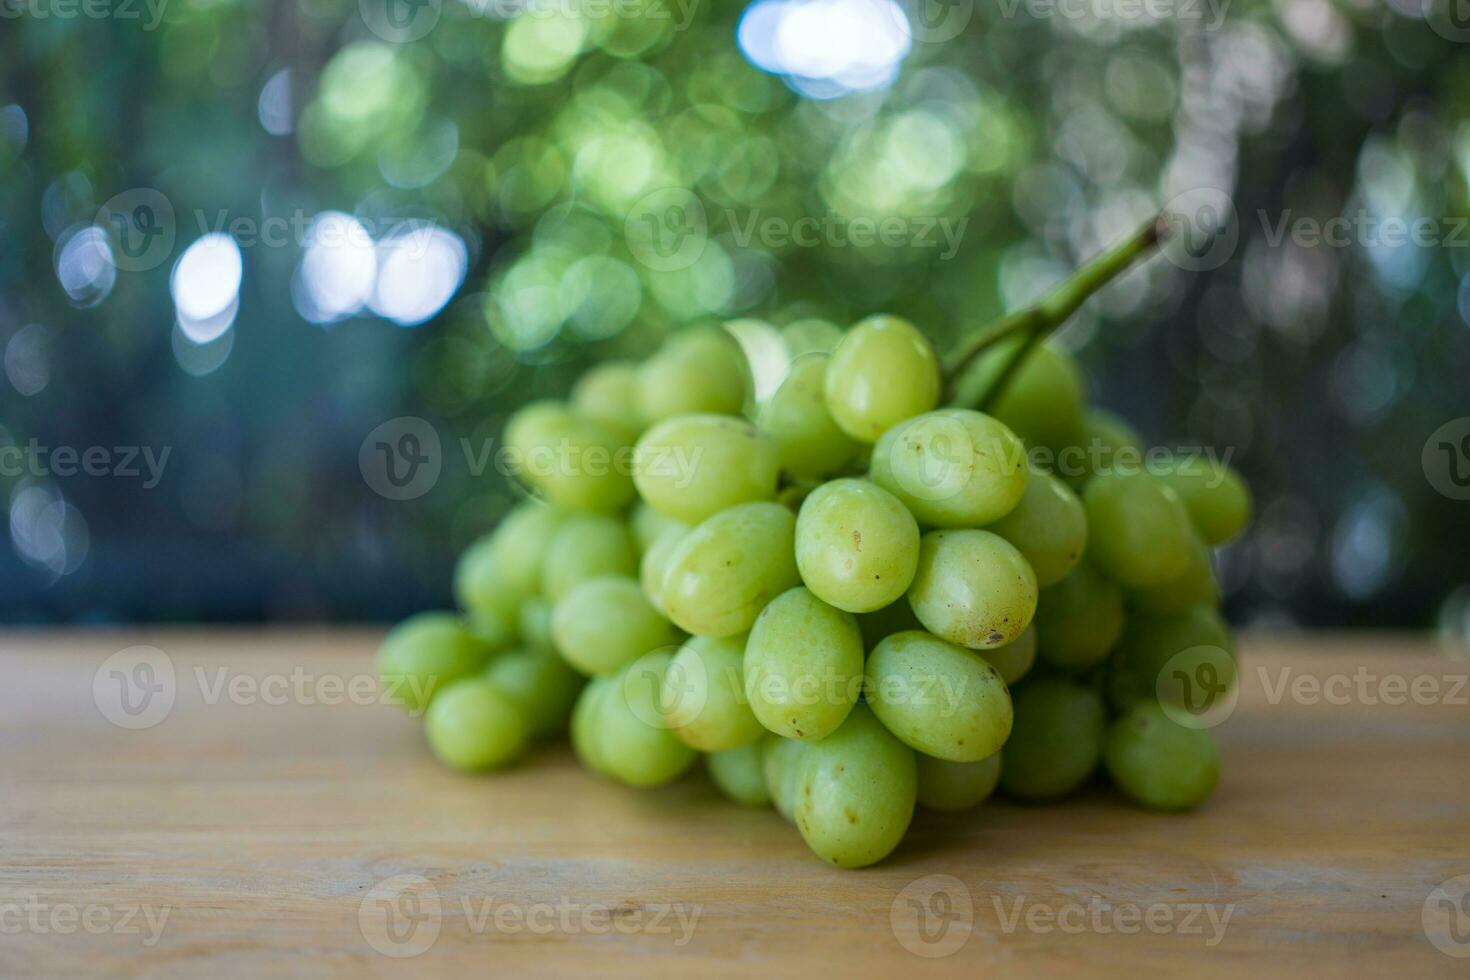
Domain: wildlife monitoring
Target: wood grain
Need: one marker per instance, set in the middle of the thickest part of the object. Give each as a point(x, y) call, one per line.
point(263, 829)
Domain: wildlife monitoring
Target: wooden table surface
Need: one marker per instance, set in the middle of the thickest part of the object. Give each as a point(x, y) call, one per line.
point(274, 820)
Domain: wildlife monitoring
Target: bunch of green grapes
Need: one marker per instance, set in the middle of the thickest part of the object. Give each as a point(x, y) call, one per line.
point(849, 600)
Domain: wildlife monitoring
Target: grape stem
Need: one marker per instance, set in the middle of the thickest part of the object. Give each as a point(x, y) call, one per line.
point(1035, 323)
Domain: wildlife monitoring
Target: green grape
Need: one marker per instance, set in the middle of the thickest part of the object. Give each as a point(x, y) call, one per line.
point(952, 468)
point(608, 395)
point(586, 546)
point(1079, 620)
point(808, 441)
point(1158, 763)
point(693, 466)
point(1196, 586)
point(539, 683)
point(973, 588)
point(781, 771)
point(1013, 661)
point(1138, 529)
point(1042, 402)
point(425, 653)
point(696, 371)
point(1218, 500)
point(955, 786)
point(811, 336)
point(1056, 740)
point(586, 728)
point(894, 618)
point(882, 372)
point(1107, 444)
point(655, 563)
point(481, 589)
point(856, 791)
point(648, 525)
point(857, 546)
point(516, 546)
point(704, 695)
point(605, 622)
point(1048, 527)
point(496, 630)
point(636, 748)
point(737, 772)
point(803, 666)
point(1146, 664)
point(575, 462)
point(938, 698)
point(725, 570)
point(535, 623)
point(472, 726)
point(793, 495)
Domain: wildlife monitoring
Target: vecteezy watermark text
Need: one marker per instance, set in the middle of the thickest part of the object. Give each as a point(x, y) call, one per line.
point(32, 915)
point(149, 12)
point(34, 459)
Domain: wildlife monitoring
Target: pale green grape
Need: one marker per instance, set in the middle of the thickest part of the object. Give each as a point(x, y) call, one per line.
point(636, 748)
point(541, 684)
point(648, 525)
point(1218, 500)
point(781, 771)
point(1013, 661)
point(586, 546)
point(425, 653)
point(1158, 763)
point(856, 790)
point(586, 726)
point(808, 441)
point(603, 623)
point(704, 695)
point(655, 563)
point(472, 726)
point(811, 336)
point(941, 699)
point(893, 618)
point(952, 467)
point(973, 588)
point(1107, 444)
point(514, 550)
point(737, 772)
point(1187, 657)
point(1042, 402)
point(1196, 586)
point(696, 371)
point(882, 372)
point(955, 786)
point(496, 630)
point(608, 395)
point(1079, 620)
point(1048, 527)
point(857, 546)
point(725, 570)
point(481, 589)
point(535, 623)
point(803, 666)
point(1138, 529)
point(575, 462)
point(693, 466)
point(1056, 740)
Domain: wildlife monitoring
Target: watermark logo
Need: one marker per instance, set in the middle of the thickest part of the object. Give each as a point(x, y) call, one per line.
point(933, 916)
point(402, 458)
point(400, 21)
point(1446, 917)
point(933, 21)
point(1203, 229)
point(135, 688)
point(401, 916)
point(667, 229)
point(142, 225)
point(1104, 918)
point(1446, 459)
point(1196, 687)
point(1450, 19)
